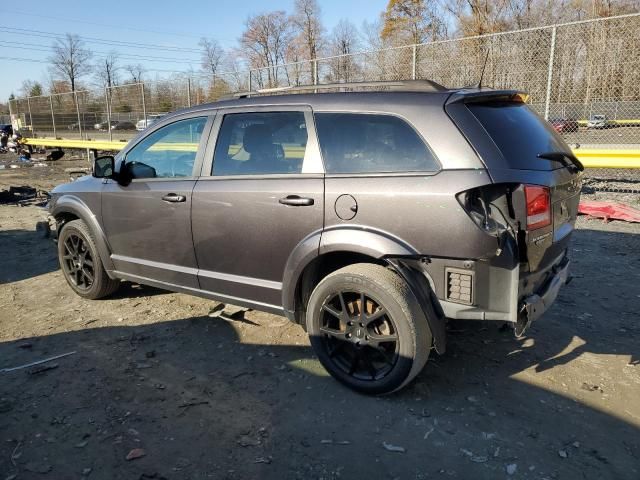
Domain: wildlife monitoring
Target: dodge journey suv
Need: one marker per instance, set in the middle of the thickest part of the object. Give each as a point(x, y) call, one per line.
point(367, 216)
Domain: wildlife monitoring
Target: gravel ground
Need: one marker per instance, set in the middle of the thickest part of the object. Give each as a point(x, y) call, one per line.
point(154, 376)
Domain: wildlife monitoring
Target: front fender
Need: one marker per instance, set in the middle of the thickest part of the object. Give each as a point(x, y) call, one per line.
point(72, 204)
point(340, 238)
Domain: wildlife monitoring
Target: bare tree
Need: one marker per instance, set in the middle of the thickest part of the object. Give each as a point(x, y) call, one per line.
point(212, 55)
point(478, 17)
point(135, 71)
point(107, 70)
point(265, 40)
point(306, 19)
point(412, 21)
point(343, 42)
point(70, 59)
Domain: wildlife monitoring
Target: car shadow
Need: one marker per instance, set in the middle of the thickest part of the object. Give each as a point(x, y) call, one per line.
point(200, 402)
point(18, 247)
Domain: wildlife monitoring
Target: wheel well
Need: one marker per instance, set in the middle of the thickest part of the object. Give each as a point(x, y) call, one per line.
point(63, 218)
point(319, 268)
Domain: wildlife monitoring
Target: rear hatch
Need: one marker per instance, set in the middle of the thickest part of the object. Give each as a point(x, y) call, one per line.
point(522, 150)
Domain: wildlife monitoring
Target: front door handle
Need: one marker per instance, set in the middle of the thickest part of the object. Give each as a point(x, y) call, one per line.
point(173, 198)
point(296, 201)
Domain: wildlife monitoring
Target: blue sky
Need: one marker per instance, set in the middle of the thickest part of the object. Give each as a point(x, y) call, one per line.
point(183, 23)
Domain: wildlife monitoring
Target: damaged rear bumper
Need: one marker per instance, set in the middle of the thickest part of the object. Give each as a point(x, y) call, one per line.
point(534, 306)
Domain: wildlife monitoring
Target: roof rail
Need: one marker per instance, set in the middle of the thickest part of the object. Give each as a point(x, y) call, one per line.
point(400, 85)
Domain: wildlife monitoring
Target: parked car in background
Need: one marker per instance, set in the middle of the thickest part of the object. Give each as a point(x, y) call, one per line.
point(367, 217)
point(123, 126)
point(563, 125)
point(598, 121)
point(85, 124)
point(151, 119)
point(105, 125)
point(6, 128)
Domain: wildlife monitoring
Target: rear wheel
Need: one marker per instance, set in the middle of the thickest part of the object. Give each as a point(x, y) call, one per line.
point(367, 328)
point(80, 262)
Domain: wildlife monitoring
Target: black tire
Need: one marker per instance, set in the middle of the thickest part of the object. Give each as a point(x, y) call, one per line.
point(339, 342)
point(81, 264)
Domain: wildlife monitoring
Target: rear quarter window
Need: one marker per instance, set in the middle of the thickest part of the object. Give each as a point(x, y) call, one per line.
point(371, 143)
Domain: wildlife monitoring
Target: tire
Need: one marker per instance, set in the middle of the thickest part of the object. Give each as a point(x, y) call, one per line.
point(390, 311)
point(81, 264)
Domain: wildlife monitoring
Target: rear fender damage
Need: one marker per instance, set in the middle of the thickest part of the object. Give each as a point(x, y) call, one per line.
point(422, 288)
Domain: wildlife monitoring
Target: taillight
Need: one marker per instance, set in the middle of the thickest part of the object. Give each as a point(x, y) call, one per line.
point(538, 206)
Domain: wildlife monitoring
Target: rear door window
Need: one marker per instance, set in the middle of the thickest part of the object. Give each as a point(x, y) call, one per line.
point(519, 133)
point(371, 143)
point(261, 143)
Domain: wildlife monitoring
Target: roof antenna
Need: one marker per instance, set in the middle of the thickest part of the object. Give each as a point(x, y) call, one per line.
point(486, 58)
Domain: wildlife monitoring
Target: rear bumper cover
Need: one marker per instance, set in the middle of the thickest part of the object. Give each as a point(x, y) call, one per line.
point(534, 306)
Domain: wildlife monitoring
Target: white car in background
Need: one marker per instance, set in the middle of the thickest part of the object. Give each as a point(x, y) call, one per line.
point(151, 119)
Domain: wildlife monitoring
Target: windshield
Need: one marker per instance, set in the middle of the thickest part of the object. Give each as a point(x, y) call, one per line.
point(520, 134)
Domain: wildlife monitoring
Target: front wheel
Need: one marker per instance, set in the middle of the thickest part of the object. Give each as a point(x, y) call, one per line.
point(367, 328)
point(81, 264)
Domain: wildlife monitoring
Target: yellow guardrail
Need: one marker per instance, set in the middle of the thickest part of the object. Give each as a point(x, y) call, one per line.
point(590, 158)
point(629, 123)
point(106, 144)
point(608, 158)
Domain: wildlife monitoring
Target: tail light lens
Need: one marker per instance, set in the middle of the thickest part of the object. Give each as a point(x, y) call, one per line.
point(538, 206)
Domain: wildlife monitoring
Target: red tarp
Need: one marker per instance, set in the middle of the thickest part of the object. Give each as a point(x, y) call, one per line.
point(609, 211)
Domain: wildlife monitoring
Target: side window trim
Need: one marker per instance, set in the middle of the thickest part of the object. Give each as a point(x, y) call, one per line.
point(202, 144)
point(437, 166)
point(311, 164)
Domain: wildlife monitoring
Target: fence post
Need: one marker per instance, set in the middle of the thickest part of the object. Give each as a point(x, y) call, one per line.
point(106, 99)
point(249, 80)
point(11, 112)
point(415, 58)
point(314, 66)
point(189, 91)
point(75, 97)
point(33, 131)
point(552, 52)
point(53, 118)
point(144, 105)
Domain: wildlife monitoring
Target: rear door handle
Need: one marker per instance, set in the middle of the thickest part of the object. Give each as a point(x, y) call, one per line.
point(296, 201)
point(173, 198)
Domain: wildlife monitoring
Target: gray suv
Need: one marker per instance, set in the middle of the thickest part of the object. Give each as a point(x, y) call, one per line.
point(367, 216)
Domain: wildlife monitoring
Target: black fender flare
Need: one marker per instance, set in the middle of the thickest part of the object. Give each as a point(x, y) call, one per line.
point(75, 206)
point(373, 243)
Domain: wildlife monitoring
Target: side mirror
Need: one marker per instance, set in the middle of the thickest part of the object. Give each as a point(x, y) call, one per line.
point(103, 167)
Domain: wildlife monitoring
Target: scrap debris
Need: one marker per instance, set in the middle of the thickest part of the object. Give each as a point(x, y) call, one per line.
point(22, 195)
point(20, 367)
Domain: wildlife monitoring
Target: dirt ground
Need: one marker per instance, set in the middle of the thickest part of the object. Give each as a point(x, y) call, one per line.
point(206, 398)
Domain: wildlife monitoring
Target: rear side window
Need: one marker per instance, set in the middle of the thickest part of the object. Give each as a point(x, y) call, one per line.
point(519, 134)
point(260, 144)
point(369, 143)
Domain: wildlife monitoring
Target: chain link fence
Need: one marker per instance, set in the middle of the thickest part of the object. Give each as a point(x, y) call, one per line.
point(584, 77)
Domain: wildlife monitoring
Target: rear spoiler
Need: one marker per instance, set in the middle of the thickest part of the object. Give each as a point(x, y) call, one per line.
point(480, 95)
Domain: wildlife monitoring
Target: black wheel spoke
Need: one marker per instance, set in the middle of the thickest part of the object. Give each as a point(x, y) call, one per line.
point(360, 344)
point(368, 319)
point(354, 363)
point(376, 339)
point(78, 262)
point(343, 305)
point(328, 308)
point(332, 332)
point(88, 275)
point(369, 364)
point(337, 349)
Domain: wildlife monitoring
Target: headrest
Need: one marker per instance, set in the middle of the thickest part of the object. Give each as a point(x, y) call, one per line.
point(257, 138)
